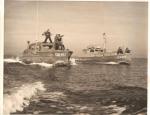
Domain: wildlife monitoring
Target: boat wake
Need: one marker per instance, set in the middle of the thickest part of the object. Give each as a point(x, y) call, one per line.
point(20, 98)
point(13, 60)
point(108, 63)
point(73, 61)
point(43, 64)
point(17, 60)
point(64, 63)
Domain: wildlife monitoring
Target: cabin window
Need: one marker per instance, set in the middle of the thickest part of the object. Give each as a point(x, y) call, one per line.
point(60, 54)
point(97, 49)
point(91, 50)
point(101, 50)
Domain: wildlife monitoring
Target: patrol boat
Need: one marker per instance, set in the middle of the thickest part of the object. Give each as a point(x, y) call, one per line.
point(45, 52)
point(100, 54)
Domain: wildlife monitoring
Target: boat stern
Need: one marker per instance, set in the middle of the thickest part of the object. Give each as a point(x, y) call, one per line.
point(124, 59)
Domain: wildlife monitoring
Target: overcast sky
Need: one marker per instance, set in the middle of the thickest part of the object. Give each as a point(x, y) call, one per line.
point(81, 23)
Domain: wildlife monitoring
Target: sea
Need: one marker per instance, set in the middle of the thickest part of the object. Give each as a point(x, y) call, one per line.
point(78, 89)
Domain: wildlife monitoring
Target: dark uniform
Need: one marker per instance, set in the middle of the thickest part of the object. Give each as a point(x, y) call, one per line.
point(48, 36)
point(127, 50)
point(119, 51)
point(58, 42)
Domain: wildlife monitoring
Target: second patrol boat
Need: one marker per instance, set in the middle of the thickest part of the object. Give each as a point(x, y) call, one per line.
point(100, 54)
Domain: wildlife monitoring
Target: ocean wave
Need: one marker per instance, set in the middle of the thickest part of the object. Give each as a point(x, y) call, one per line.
point(20, 98)
point(116, 109)
point(53, 96)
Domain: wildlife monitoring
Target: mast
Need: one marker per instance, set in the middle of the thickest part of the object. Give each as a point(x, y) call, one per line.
point(37, 19)
point(105, 41)
point(37, 23)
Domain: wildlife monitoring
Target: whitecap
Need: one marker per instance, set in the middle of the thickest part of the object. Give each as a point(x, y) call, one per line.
point(20, 98)
point(117, 110)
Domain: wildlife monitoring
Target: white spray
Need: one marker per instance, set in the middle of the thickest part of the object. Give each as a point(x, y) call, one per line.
point(20, 99)
point(17, 60)
point(73, 61)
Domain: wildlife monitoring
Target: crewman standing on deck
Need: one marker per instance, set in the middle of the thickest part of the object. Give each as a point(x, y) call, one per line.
point(47, 35)
point(127, 50)
point(58, 44)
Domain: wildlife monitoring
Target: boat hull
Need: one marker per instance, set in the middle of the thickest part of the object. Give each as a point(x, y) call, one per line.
point(118, 59)
point(48, 57)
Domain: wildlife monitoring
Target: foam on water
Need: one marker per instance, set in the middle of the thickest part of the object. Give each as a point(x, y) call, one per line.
point(13, 60)
point(113, 63)
point(17, 60)
point(109, 63)
point(59, 61)
point(82, 114)
point(73, 61)
point(20, 98)
point(53, 96)
point(43, 64)
point(117, 110)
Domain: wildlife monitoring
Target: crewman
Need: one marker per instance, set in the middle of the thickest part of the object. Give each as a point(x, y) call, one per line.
point(60, 37)
point(58, 42)
point(119, 51)
point(127, 50)
point(61, 46)
point(47, 35)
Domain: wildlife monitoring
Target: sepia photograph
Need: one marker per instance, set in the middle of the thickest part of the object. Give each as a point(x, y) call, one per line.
point(75, 57)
